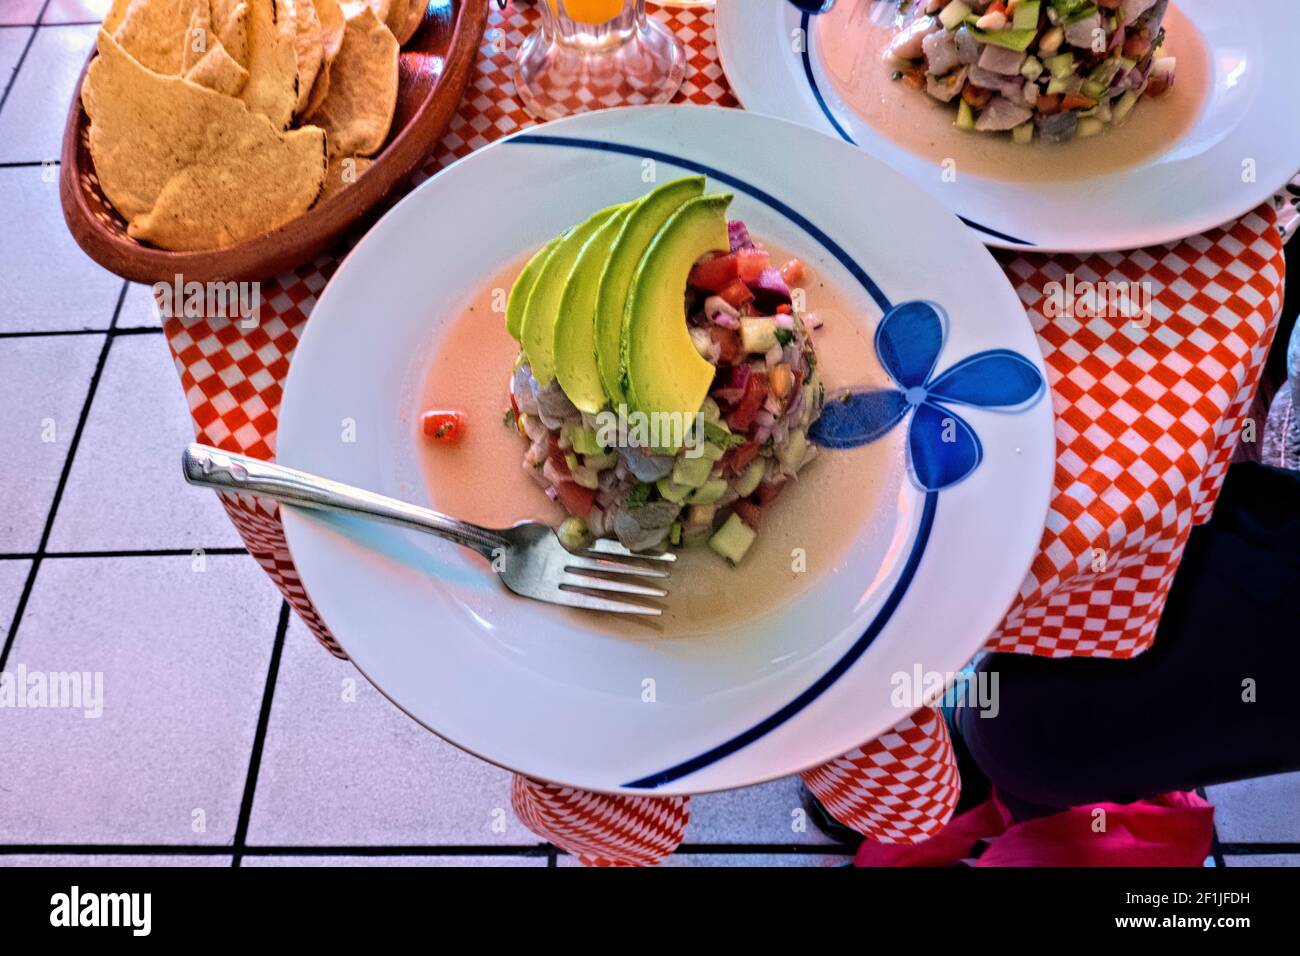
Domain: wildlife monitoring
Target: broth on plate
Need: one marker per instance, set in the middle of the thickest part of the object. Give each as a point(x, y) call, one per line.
point(481, 478)
point(851, 44)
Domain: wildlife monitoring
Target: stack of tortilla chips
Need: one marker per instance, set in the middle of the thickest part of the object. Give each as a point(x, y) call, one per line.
point(212, 121)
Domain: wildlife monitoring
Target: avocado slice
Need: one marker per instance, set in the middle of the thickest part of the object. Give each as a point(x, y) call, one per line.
point(634, 237)
point(523, 286)
point(575, 326)
point(664, 371)
point(543, 305)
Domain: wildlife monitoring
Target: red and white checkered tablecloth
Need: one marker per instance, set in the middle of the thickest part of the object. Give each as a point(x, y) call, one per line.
point(1147, 420)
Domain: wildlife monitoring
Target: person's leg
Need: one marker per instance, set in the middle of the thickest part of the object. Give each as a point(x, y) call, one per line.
point(1213, 700)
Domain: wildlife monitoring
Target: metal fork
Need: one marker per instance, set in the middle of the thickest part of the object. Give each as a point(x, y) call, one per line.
point(528, 557)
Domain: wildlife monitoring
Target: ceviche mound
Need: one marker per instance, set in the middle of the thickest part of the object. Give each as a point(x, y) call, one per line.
point(1047, 69)
point(664, 383)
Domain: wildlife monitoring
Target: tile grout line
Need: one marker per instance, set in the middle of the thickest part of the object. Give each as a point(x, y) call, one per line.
point(125, 553)
point(259, 737)
point(63, 481)
point(18, 65)
point(111, 332)
point(1216, 849)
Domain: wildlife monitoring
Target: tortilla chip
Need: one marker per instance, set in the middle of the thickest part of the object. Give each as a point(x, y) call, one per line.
point(217, 70)
point(231, 21)
point(158, 33)
point(343, 171)
point(410, 21)
point(319, 90)
point(332, 24)
point(194, 42)
point(116, 14)
point(380, 8)
point(188, 167)
point(309, 47)
point(358, 108)
point(272, 87)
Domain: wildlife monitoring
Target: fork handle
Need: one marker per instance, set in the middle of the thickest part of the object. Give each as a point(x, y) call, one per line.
point(229, 471)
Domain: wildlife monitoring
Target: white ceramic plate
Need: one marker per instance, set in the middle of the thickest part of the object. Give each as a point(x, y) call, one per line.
point(923, 584)
point(1248, 125)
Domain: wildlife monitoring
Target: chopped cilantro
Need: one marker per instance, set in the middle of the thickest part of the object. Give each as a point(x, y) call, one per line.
point(715, 434)
point(784, 336)
point(639, 497)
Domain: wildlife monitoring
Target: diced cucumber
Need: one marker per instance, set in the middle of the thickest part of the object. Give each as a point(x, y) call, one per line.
point(965, 116)
point(1082, 13)
point(711, 411)
point(1069, 84)
point(572, 532)
point(601, 462)
point(675, 534)
point(733, 539)
point(1023, 134)
point(1119, 112)
point(700, 516)
point(953, 14)
point(1090, 126)
point(1026, 15)
point(1017, 40)
point(751, 479)
point(669, 490)
point(757, 334)
point(712, 452)
point(1061, 65)
point(711, 491)
point(692, 472)
point(581, 439)
point(1032, 68)
point(794, 451)
point(1092, 89)
point(572, 461)
point(1105, 72)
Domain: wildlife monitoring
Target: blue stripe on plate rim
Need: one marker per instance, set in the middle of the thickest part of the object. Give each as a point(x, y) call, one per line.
point(804, 18)
point(930, 501)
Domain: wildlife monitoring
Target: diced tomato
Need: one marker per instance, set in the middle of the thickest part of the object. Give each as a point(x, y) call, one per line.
point(728, 342)
point(738, 459)
point(749, 512)
point(792, 272)
point(714, 274)
point(976, 96)
point(1049, 104)
point(1077, 101)
point(997, 7)
point(768, 491)
point(576, 499)
point(784, 309)
point(1109, 4)
point(750, 263)
point(1137, 46)
point(736, 293)
point(555, 455)
point(749, 404)
point(915, 77)
point(444, 427)
point(782, 381)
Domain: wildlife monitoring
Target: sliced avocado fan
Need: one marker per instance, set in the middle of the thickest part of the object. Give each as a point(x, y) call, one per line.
point(664, 371)
point(543, 304)
point(638, 231)
point(524, 285)
point(575, 326)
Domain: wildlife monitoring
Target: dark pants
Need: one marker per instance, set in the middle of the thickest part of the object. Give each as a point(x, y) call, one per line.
point(1215, 698)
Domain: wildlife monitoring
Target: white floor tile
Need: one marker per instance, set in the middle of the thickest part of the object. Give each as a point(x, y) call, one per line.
point(112, 859)
point(20, 11)
point(31, 125)
point(13, 40)
point(1263, 810)
point(13, 575)
point(75, 11)
point(49, 283)
point(139, 309)
point(770, 813)
point(125, 491)
point(183, 656)
point(360, 772)
point(742, 859)
point(43, 386)
point(1292, 859)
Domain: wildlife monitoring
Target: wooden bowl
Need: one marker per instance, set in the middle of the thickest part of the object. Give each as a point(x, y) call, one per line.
point(434, 69)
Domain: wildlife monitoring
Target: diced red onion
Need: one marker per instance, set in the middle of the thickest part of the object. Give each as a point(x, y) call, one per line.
point(773, 356)
point(725, 321)
point(784, 320)
point(552, 492)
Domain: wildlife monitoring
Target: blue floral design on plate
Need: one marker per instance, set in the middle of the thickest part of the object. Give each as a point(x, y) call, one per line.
point(942, 447)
